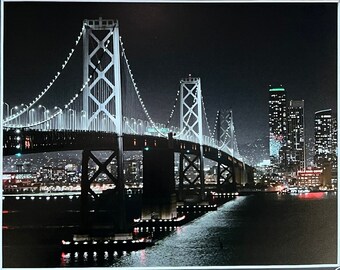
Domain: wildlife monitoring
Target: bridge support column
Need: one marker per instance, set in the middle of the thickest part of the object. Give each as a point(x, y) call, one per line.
point(191, 124)
point(86, 191)
point(181, 179)
point(191, 172)
point(238, 175)
point(120, 186)
point(202, 178)
point(103, 96)
point(85, 187)
point(226, 181)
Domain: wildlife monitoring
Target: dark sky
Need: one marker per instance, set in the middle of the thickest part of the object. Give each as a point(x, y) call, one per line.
point(237, 50)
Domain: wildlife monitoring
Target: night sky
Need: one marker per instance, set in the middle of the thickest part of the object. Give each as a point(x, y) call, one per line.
point(237, 50)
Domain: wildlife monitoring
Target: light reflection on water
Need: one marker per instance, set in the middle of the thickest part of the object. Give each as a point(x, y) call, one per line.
point(190, 239)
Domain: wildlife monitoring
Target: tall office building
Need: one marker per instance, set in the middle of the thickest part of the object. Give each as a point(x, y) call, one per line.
point(295, 136)
point(323, 133)
point(277, 122)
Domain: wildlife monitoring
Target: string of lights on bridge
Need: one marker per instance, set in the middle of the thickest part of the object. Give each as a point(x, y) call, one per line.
point(215, 125)
point(206, 118)
point(173, 108)
point(48, 87)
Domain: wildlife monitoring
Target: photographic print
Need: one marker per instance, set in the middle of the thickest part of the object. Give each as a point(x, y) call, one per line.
point(169, 134)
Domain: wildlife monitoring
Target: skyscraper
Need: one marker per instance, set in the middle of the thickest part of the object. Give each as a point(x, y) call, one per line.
point(296, 135)
point(323, 137)
point(277, 122)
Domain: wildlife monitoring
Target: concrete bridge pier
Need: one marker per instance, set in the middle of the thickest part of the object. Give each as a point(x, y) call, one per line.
point(239, 176)
point(159, 197)
point(244, 174)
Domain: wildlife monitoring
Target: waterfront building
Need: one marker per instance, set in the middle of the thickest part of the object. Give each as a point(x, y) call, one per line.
point(277, 122)
point(310, 177)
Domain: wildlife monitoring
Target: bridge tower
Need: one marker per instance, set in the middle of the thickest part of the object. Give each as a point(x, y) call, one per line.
point(225, 137)
point(191, 129)
point(103, 99)
point(101, 76)
point(225, 132)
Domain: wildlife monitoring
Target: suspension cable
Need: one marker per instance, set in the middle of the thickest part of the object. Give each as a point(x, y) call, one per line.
point(12, 117)
point(215, 125)
point(206, 118)
point(173, 108)
point(137, 92)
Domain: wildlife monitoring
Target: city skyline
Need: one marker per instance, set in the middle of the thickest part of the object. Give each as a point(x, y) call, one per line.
point(235, 52)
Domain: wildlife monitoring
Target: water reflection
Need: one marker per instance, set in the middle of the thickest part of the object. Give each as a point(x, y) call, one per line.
point(312, 196)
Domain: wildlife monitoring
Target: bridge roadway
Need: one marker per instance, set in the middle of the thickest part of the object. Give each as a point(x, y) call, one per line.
point(36, 141)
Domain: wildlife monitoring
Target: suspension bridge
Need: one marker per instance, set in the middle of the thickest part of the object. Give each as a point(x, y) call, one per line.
point(107, 113)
